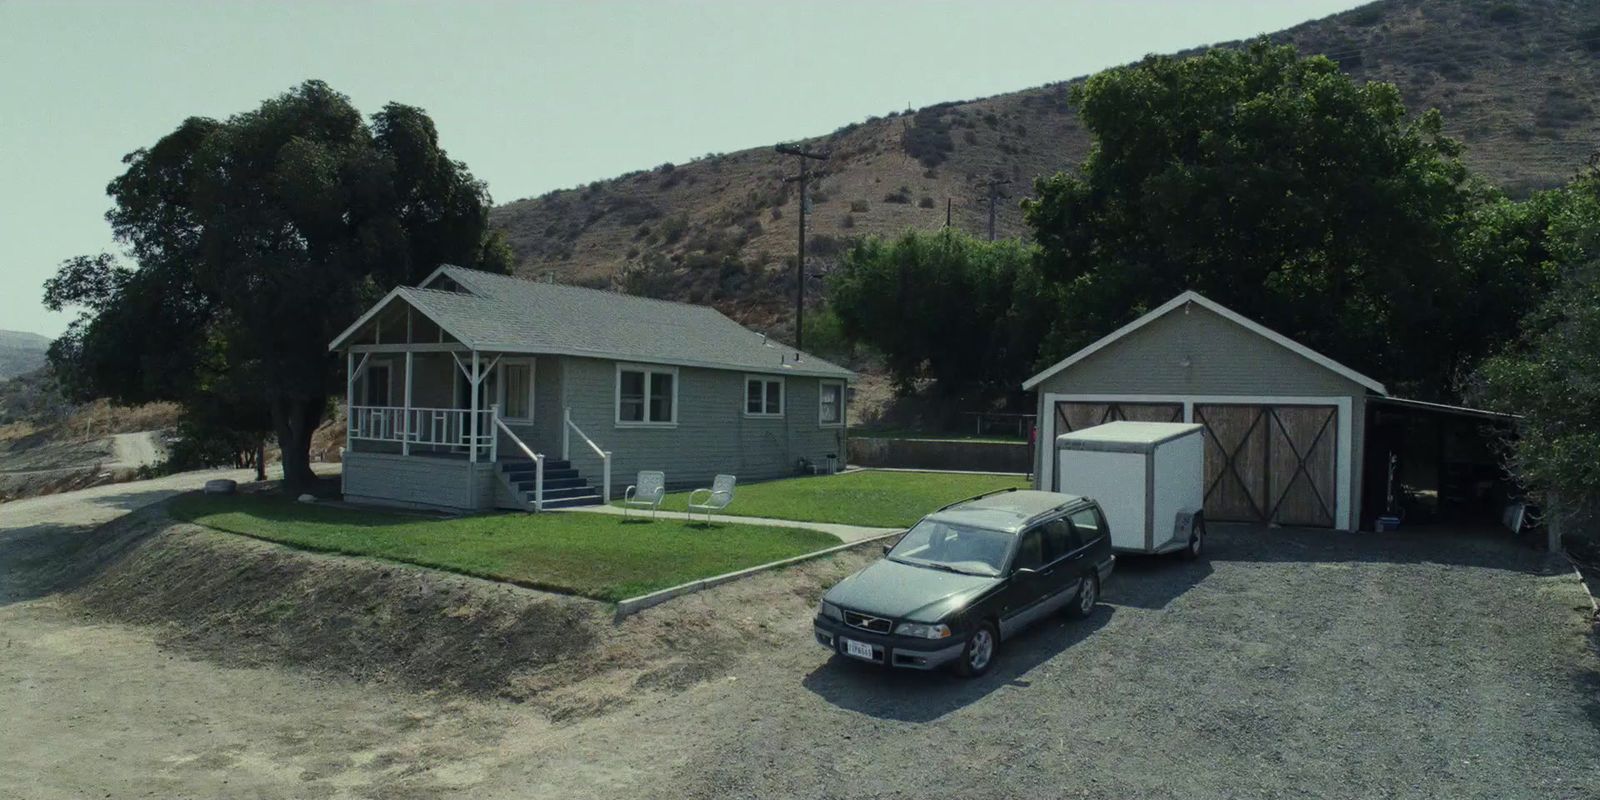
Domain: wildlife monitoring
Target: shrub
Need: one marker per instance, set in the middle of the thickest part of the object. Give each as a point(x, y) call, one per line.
point(673, 228)
point(1505, 13)
point(928, 138)
point(848, 222)
point(925, 202)
point(970, 137)
point(900, 196)
point(858, 206)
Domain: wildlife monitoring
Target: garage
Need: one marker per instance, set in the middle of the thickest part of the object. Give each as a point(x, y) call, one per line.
point(1285, 426)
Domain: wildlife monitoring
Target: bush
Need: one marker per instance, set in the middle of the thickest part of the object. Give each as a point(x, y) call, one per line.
point(1505, 13)
point(848, 222)
point(928, 138)
point(901, 196)
point(925, 202)
point(858, 206)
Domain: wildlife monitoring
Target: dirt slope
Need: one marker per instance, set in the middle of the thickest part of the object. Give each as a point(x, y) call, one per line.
point(1517, 84)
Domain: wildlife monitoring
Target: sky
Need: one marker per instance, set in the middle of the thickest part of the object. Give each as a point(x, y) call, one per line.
point(533, 96)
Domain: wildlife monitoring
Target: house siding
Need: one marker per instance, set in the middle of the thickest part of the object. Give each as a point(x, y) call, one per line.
point(418, 482)
point(712, 434)
point(1225, 360)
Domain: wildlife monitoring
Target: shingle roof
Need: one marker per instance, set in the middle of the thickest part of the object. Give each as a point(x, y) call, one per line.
point(516, 315)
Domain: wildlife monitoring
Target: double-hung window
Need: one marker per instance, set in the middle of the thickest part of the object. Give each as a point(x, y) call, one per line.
point(763, 396)
point(647, 395)
point(515, 390)
point(830, 411)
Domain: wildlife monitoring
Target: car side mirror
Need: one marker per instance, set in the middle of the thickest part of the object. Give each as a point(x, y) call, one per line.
point(887, 548)
point(1026, 573)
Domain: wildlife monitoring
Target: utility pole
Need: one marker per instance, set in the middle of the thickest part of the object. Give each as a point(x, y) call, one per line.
point(994, 194)
point(805, 157)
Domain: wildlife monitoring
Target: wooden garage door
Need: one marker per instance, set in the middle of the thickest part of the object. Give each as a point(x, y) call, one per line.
point(1072, 416)
point(1270, 463)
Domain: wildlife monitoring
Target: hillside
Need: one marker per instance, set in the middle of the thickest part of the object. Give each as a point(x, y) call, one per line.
point(21, 352)
point(1517, 83)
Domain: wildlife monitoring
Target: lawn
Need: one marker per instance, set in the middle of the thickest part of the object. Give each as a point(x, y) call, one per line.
point(593, 555)
point(866, 497)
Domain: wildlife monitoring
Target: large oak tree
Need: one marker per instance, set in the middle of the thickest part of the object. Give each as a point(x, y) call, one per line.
point(255, 240)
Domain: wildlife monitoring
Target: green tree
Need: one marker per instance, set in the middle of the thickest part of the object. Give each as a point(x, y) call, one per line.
point(256, 240)
point(1551, 376)
point(965, 312)
point(1276, 185)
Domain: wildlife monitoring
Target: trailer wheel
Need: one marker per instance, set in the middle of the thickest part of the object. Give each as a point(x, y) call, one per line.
point(1197, 540)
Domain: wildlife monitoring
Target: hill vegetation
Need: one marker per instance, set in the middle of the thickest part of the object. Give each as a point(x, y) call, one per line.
point(21, 353)
point(1516, 84)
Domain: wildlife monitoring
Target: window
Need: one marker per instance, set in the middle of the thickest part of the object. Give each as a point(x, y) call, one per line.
point(831, 409)
point(959, 547)
point(515, 390)
point(1030, 551)
point(375, 388)
point(763, 397)
point(1058, 540)
point(1088, 525)
point(647, 396)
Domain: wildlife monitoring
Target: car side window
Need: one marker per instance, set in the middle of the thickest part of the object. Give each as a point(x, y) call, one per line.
point(1030, 551)
point(1058, 539)
point(1088, 525)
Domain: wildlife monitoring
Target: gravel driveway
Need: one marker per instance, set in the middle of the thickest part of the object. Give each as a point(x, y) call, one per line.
point(1288, 664)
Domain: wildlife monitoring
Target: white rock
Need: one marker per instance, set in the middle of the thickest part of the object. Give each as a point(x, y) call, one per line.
point(221, 486)
point(308, 498)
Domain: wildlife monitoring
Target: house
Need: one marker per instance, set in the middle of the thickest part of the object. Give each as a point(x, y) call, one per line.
point(1292, 436)
point(474, 391)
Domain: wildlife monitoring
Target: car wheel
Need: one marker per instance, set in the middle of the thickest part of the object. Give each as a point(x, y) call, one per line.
point(1082, 605)
point(979, 654)
point(1197, 539)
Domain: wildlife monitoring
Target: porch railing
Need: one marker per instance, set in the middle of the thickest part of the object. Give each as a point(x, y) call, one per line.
point(605, 455)
point(538, 459)
point(440, 427)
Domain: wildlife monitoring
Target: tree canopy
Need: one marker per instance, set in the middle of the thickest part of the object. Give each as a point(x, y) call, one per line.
point(964, 312)
point(1274, 184)
point(255, 241)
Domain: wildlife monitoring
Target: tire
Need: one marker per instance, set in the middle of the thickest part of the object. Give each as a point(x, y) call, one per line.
point(978, 657)
point(1197, 541)
point(1082, 604)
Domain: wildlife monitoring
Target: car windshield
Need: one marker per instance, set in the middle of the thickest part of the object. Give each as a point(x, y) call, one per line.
point(958, 548)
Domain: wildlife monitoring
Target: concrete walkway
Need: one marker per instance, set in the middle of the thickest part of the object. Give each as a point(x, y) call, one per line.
point(846, 533)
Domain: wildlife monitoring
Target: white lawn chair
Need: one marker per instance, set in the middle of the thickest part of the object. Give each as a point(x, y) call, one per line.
point(646, 493)
point(716, 498)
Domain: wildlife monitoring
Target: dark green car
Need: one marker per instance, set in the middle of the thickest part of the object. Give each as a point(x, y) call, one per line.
point(966, 578)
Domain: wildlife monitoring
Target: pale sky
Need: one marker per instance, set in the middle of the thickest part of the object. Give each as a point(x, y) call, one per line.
point(532, 96)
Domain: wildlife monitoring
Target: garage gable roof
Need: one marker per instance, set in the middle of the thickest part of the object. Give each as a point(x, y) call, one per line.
point(1222, 311)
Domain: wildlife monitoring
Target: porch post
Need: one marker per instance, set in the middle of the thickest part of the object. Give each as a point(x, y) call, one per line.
point(405, 414)
point(472, 441)
point(566, 433)
point(349, 399)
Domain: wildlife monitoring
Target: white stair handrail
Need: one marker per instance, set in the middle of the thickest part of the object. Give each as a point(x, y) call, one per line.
point(538, 462)
point(605, 455)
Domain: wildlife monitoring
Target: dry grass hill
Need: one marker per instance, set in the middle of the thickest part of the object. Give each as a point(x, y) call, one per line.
point(21, 352)
point(1517, 82)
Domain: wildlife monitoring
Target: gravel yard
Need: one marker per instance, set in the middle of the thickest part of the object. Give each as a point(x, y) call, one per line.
point(1288, 664)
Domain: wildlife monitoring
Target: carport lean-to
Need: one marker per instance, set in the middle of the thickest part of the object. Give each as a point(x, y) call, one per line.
point(1286, 428)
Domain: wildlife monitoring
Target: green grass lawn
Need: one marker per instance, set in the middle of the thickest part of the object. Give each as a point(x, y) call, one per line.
point(593, 555)
point(896, 433)
point(868, 497)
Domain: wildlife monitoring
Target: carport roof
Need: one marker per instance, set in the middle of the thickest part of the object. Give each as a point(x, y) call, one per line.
point(1222, 311)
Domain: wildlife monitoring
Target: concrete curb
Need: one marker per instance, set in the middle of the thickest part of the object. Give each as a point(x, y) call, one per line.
point(634, 605)
point(1594, 604)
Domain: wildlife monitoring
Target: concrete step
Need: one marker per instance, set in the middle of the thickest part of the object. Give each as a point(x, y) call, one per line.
point(521, 474)
point(525, 483)
point(562, 494)
point(569, 502)
point(512, 464)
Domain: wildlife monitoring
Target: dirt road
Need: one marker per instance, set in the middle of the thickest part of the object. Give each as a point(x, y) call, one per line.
point(1290, 664)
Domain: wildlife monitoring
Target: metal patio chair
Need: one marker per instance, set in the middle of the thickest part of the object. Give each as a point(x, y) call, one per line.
point(716, 498)
point(647, 492)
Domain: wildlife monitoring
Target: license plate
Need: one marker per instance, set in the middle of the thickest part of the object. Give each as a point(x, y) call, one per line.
point(858, 649)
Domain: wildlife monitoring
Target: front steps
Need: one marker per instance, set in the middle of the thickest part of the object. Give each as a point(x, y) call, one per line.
point(563, 486)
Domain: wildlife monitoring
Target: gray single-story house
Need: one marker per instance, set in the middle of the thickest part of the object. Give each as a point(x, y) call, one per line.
point(474, 391)
point(1292, 436)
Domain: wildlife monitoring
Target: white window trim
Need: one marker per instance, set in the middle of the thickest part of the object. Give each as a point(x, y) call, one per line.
point(500, 387)
point(783, 391)
point(821, 387)
point(647, 369)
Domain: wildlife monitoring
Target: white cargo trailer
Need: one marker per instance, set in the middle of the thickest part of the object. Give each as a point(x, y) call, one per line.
point(1149, 478)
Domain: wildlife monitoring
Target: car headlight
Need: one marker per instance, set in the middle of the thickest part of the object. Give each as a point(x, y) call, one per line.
point(922, 631)
point(830, 611)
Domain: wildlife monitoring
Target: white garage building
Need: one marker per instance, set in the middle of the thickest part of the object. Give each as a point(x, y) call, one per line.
point(1284, 424)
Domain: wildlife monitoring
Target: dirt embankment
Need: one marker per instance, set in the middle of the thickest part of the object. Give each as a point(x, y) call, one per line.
point(242, 602)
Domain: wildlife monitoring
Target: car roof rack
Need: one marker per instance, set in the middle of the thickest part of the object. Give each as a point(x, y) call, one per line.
point(976, 497)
